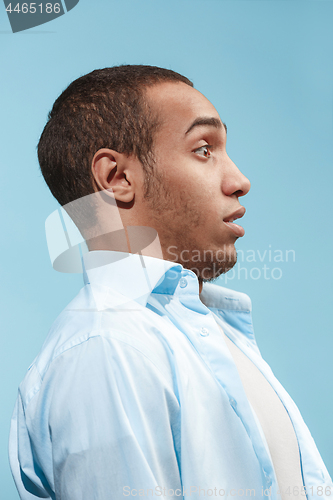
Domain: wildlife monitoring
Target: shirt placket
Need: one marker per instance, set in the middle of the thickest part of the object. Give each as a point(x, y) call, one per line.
point(211, 347)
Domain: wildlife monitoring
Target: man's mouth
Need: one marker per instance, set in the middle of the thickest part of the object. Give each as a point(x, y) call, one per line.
point(229, 221)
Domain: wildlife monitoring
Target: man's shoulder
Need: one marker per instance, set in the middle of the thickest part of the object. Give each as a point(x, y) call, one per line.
point(99, 319)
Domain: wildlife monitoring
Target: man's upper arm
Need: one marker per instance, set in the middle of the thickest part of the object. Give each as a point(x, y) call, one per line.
point(113, 419)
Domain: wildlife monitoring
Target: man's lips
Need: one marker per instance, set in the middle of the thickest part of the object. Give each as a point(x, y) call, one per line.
point(228, 221)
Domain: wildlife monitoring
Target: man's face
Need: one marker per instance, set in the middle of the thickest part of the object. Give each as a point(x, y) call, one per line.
point(197, 186)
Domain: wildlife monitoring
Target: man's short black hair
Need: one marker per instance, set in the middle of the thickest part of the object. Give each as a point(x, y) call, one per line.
point(103, 109)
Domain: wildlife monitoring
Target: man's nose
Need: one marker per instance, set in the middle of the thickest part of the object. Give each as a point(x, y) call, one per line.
point(234, 181)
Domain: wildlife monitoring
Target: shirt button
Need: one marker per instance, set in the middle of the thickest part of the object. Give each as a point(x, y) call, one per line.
point(204, 332)
point(182, 282)
point(267, 478)
point(233, 403)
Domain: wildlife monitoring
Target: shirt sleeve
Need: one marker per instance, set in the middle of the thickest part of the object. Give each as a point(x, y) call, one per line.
point(113, 422)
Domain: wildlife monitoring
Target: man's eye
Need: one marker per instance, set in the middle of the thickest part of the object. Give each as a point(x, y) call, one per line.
point(204, 150)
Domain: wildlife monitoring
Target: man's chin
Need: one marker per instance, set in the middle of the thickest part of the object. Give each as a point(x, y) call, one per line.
point(215, 271)
point(213, 267)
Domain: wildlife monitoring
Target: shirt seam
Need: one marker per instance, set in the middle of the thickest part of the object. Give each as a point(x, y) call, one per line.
point(36, 388)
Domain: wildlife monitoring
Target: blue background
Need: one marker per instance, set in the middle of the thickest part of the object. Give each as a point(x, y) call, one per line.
point(267, 66)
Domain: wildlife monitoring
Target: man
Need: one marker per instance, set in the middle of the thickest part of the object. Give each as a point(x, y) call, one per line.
point(150, 383)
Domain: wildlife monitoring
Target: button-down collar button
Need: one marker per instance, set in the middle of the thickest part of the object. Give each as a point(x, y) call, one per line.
point(182, 282)
point(204, 332)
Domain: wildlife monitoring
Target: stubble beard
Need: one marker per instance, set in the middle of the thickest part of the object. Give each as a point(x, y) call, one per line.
point(172, 216)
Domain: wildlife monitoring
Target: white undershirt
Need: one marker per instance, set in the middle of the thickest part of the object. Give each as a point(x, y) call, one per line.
point(275, 423)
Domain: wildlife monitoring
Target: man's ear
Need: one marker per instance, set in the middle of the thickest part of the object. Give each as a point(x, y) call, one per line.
point(113, 171)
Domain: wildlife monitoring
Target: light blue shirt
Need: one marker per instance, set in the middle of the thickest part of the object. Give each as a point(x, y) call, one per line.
point(135, 393)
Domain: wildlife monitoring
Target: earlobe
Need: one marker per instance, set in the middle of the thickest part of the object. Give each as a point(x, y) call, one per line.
point(111, 174)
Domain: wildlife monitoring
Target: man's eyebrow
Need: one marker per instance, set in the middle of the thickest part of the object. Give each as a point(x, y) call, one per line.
point(210, 121)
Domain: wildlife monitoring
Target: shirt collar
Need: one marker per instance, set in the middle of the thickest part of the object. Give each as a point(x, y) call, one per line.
point(133, 277)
